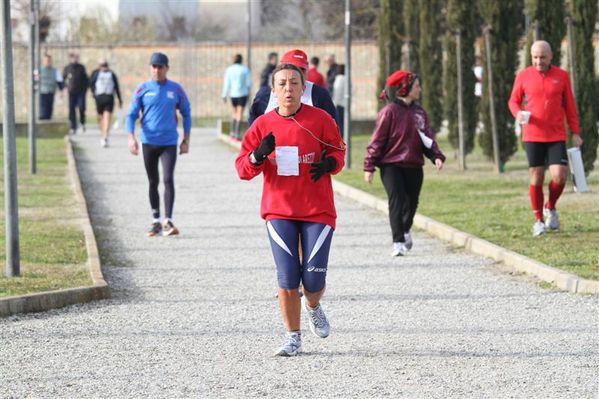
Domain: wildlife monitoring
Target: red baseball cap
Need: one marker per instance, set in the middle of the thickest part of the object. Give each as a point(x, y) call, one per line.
point(295, 57)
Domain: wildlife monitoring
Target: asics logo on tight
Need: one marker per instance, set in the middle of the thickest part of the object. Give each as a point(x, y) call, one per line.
point(317, 269)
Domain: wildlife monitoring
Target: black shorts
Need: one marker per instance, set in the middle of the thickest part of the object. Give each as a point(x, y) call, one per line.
point(239, 101)
point(543, 154)
point(104, 103)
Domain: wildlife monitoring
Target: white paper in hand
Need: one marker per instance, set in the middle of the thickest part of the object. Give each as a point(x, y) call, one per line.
point(427, 141)
point(287, 160)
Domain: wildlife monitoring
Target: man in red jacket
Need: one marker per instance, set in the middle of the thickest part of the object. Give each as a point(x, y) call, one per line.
point(541, 99)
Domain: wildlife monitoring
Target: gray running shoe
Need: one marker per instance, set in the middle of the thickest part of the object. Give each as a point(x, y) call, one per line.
point(291, 346)
point(551, 218)
point(319, 325)
point(538, 228)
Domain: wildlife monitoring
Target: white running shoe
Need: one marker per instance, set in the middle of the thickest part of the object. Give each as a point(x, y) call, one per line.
point(408, 240)
point(319, 325)
point(399, 249)
point(291, 346)
point(538, 228)
point(104, 143)
point(551, 218)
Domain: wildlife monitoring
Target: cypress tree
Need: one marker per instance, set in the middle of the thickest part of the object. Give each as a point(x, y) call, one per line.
point(390, 41)
point(504, 19)
point(460, 16)
point(583, 19)
point(412, 32)
point(547, 17)
point(430, 57)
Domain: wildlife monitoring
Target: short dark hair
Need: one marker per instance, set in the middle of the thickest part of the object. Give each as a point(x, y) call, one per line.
point(237, 59)
point(315, 61)
point(282, 67)
point(272, 55)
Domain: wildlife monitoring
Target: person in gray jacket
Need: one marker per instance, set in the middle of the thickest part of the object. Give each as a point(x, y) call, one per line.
point(50, 80)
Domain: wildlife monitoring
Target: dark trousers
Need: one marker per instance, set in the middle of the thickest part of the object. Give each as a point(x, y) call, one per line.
point(340, 118)
point(168, 156)
point(46, 105)
point(76, 101)
point(403, 189)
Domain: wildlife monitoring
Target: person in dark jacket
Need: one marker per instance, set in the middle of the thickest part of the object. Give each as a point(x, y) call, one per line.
point(313, 95)
point(104, 85)
point(76, 82)
point(402, 136)
point(273, 59)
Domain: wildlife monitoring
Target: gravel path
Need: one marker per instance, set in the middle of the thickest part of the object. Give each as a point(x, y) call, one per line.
point(195, 315)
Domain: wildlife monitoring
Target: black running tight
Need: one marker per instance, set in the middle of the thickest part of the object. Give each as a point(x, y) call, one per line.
point(168, 156)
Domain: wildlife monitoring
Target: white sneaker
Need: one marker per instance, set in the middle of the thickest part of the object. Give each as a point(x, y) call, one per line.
point(399, 249)
point(408, 240)
point(319, 325)
point(538, 228)
point(551, 218)
point(291, 346)
point(72, 132)
point(104, 143)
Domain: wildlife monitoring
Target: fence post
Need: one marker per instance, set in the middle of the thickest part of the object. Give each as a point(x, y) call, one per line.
point(492, 101)
point(462, 159)
point(10, 147)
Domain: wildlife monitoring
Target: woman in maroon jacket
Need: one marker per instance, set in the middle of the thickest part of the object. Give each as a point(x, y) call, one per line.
point(401, 137)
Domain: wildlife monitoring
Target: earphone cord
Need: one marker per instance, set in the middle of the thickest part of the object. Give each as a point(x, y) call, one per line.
point(342, 148)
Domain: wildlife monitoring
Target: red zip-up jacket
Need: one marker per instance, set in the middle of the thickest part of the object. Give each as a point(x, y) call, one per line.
point(395, 139)
point(548, 97)
point(294, 197)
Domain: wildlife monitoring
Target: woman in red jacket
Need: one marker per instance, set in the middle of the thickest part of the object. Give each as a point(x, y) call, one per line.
point(401, 137)
point(296, 148)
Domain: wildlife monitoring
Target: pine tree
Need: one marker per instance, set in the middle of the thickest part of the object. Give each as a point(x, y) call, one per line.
point(547, 17)
point(460, 16)
point(412, 32)
point(389, 39)
point(431, 58)
point(504, 19)
point(583, 19)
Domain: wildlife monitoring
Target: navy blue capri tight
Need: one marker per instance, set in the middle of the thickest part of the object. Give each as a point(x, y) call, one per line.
point(316, 238)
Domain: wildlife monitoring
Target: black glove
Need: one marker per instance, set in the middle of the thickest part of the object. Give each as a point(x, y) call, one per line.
point(325, 165)
point(267, 145)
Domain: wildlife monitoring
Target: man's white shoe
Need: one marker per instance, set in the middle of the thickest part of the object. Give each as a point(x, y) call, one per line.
point(408, 240)
point(292, 344)
point(319, 325)
point(104, 143)
point(399, 249)
point(538, 228)
point(551, 218)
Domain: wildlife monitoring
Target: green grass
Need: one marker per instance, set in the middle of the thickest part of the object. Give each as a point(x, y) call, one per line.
point(52, 244)
point(496, 207)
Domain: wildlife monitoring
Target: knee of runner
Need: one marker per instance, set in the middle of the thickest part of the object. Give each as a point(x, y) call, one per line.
point(287, 282)
point(314, 278)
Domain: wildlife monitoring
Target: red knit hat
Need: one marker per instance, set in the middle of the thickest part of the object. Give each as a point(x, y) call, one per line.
point(403, 80)
point(295, 57)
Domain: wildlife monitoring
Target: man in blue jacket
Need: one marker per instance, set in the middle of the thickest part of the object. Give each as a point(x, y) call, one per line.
point(313, 95)
point(159, 99)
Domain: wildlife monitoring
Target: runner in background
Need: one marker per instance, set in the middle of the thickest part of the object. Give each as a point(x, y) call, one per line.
point(104, 85)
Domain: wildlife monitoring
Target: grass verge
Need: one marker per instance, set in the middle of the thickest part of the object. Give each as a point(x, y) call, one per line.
point(496, 207)
point(52, 244)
